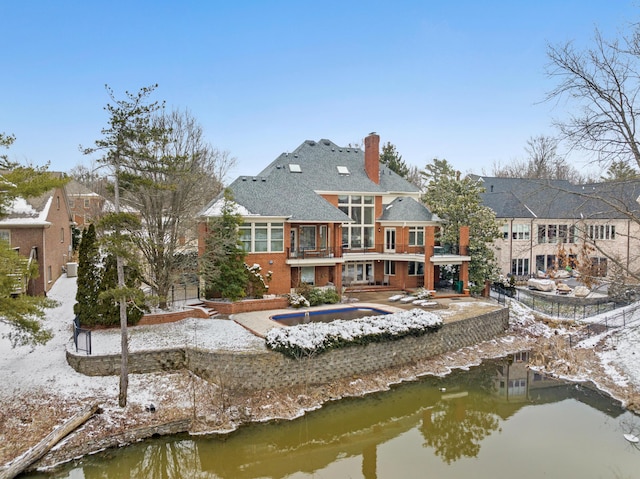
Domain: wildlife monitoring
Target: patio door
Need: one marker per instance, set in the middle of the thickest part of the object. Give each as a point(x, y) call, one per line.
point(390, 240)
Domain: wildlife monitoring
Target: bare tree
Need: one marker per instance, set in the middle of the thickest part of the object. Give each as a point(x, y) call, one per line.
point(168, 184)
point(603, 82)
point(543, 162)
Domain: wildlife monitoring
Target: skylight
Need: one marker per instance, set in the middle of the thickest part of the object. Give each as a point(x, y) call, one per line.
point(295, 168)
point(343, 170)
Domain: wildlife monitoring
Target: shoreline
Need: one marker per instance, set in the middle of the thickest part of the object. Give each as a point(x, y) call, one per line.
point(227, 416)
point(190, 405)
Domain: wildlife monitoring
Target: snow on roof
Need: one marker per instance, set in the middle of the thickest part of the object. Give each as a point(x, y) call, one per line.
point(22, 213)
point(215, 209)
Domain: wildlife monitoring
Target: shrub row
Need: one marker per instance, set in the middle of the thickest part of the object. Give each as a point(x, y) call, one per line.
point(313, 338)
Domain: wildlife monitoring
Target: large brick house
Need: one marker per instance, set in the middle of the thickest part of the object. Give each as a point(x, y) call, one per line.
point(86, 206)
point(324, 214)
point(541, 217)
point(40, 229)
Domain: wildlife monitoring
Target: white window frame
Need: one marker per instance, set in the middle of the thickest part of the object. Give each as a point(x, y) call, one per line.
point(361, 209)
point(521, 231)
point(273, 244)
point(416, 236)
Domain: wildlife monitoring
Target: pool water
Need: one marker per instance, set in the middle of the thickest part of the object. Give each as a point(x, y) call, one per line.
point(326, 315)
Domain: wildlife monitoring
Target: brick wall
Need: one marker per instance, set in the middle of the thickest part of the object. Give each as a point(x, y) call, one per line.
point(247, 305)
point(271, 370)
point(172, 317)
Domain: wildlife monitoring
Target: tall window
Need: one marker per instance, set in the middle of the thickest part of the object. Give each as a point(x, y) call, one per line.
point(307, 238)
point(358, 272)
point(416, 268)
point(556, 234)
point(416, 236)
point(324, 237)
point(308, 274)
point(262, 237)
point(520, 266)
point(5, 235)
point(599, 266)
point(521, 232)
point(389, 267)
point(600, 232)
point(360, 209)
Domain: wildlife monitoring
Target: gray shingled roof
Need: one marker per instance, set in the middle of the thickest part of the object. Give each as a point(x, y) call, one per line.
point(559, 199)
point(319, 161)
point(279, 191)
point(406, 209)
point(276, 195)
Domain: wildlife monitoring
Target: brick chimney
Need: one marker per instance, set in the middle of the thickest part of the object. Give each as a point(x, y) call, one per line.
point(372, 157)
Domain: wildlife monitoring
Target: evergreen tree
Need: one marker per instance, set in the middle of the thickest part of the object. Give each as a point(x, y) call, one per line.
point(126, 137)
point(393, 160)
point(222, 264)
point(86, 307)
point(620, 171)
point(458, 202)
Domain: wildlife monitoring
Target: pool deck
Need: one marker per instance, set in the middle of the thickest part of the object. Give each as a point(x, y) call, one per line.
point(258, 322)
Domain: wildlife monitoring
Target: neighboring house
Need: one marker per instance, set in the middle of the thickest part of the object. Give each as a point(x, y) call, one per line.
point(86, 206)
point(540, 217)
point(40, 229)
point(325, 214)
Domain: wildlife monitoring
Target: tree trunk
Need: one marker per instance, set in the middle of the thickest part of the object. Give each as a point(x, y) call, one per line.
point(124, 339)
point(48, 442)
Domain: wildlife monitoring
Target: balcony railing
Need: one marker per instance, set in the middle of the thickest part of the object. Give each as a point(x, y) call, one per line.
point(339, 251)
point(385, 248)
point(303, 253)
point(450, 249)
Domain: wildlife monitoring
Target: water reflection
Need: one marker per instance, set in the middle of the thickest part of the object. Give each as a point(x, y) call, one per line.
point(454, 416)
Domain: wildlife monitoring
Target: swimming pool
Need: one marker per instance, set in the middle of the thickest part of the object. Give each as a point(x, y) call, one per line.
point(326, 315)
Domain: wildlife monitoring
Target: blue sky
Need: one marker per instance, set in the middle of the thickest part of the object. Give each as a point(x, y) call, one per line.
point(461, 80)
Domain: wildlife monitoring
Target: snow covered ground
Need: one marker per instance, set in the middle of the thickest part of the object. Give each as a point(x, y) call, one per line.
point(24, 369)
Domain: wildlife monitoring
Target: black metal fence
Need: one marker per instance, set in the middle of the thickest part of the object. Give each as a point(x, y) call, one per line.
point(81, 337)
point(615, 315)
point(561, 307)
point(180, 293)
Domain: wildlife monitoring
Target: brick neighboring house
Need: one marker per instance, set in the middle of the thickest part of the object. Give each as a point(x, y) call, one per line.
point(539, 216)
point(40, 228)
point(86, 205)
point(325, 214)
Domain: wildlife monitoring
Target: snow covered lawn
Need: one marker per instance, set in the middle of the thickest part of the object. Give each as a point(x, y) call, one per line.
point(211, 334)
point(25, 369)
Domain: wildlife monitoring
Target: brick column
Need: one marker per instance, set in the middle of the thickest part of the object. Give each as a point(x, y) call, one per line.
point(429, 268)
point(464, 249)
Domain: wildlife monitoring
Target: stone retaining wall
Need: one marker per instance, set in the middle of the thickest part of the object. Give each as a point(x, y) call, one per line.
point(272, 370)
point(139, 362)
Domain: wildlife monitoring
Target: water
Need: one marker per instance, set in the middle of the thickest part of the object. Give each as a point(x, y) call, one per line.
point(498, 420)
point(326, 315)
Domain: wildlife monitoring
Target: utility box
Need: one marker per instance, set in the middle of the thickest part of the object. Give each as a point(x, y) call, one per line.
point(72, 270)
